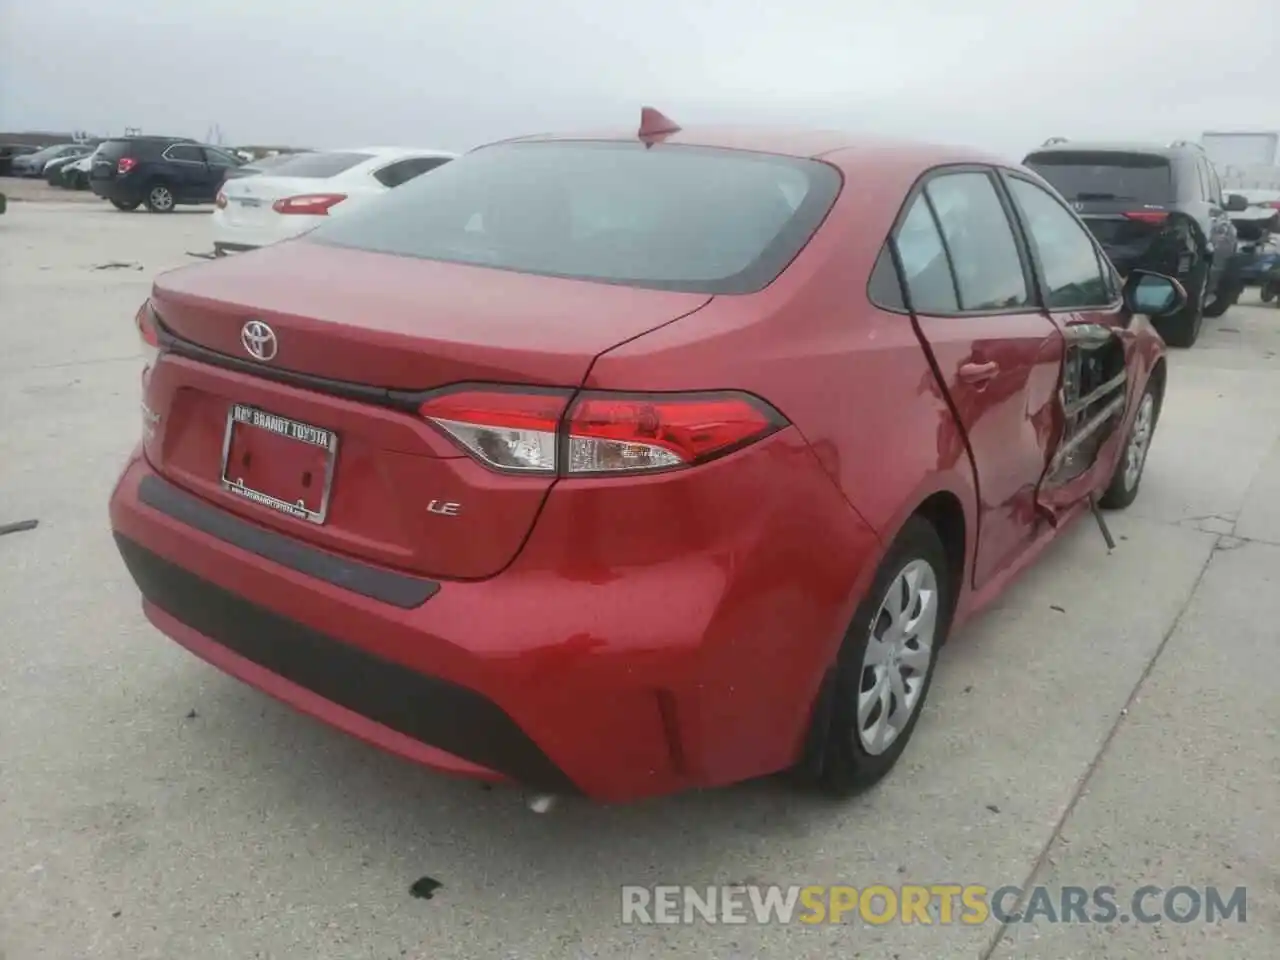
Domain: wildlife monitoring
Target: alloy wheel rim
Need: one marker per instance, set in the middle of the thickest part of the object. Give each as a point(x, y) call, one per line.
point(161, 198)
point(1139, 442)
point(898, 657)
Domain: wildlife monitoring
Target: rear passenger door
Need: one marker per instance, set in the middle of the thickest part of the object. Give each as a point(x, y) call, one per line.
point(218, 164)
point(998, 355)
point(1223, 231)
point(186, 171)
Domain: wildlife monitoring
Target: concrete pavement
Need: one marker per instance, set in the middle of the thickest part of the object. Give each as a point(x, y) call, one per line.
point(1111, 721)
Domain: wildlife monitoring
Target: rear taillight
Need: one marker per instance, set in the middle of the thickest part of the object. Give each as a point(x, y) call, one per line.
point(125, 164)
point(1148, 216)
point(148, 333)
point(313, 204)
point(220, 201)
point(601, 433)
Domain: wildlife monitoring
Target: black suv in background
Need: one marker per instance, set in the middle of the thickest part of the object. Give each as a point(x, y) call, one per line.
point(161, 172)
point(1156, 207)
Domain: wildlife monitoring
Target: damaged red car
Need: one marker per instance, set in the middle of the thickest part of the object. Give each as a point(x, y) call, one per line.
point(626, 463)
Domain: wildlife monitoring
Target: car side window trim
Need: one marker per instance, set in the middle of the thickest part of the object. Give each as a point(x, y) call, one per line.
point(173, 159)
point(1005, 174)
point(918, 189)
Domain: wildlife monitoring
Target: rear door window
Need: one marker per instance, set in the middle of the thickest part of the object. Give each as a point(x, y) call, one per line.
point(319, 166)
point(1085, 176)
point(924, 261)
point(402, 171)
point(186, 153)
point(984, 254)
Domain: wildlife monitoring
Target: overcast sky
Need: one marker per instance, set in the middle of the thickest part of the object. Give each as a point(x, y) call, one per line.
point(1003, 74)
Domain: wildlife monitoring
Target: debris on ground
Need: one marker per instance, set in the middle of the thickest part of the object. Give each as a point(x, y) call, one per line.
point(424, 888)
point(20, 527)
point(118, 265)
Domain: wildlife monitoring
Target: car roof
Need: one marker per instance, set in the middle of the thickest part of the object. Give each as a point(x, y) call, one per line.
point(842, 149)
point(391, 152)
point(1114, 146)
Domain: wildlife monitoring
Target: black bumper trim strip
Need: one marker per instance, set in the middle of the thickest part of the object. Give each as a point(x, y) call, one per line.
point(397, 589)
point(453, 718)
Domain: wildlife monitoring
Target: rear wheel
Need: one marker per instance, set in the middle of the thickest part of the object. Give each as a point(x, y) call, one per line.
point(125, 205)
point(885, 665)
point(160, 198)
point(1227, 297)
point(1269, 291)
point(1182, 329)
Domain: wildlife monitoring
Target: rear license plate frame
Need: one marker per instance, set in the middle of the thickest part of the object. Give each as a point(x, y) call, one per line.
point(296, 431)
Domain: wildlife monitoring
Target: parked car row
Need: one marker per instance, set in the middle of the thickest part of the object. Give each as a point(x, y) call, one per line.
point(33, 163)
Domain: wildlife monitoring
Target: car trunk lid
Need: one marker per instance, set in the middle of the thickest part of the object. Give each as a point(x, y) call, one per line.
point(326, 430)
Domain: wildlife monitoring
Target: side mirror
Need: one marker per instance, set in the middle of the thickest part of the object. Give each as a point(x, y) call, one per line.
point(1153, 294)
point(1236, 203)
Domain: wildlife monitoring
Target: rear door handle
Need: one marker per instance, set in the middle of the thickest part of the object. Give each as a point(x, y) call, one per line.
point(978, 372)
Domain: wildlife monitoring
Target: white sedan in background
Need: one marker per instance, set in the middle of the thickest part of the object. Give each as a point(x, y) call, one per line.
point(301, 191)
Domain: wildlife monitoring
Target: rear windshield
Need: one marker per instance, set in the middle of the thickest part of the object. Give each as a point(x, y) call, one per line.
point(666, 217)
point(115, 149)
point(317, 166)
point(1129, 177)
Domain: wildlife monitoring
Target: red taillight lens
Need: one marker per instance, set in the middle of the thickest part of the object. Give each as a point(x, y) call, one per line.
point(148, 332)
point(603, 433)
point(507, 430)
point(220, 201)
point(610, 433)
point(314, 204)
point(1148, 216)
point(125, 164)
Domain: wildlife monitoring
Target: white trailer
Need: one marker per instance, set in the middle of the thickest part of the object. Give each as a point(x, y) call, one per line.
point(1246, 160)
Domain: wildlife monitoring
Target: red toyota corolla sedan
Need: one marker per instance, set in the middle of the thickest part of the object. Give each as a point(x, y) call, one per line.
point(624, 464)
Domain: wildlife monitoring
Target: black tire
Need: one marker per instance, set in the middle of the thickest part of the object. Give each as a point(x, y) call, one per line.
point(1228, 296)
point(126, 205)
point(160, 198)
point(846, 765)
point(1268, 292)
point(1182, 329)
point(1127, 479)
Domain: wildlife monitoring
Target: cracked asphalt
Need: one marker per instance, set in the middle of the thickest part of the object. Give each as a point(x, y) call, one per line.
point(1112, 721)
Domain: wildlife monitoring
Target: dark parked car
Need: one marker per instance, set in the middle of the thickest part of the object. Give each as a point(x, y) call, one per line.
point(1160, 208)
point(161, 172)
point(9, 152)
point(33, 164)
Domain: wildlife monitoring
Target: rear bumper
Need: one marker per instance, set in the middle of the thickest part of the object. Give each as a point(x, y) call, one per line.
point(240, 237)
point(363, 694)
point(564, 672)
point(117, 189)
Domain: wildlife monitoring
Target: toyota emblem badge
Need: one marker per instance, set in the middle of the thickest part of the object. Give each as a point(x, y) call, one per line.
point(259, 340)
